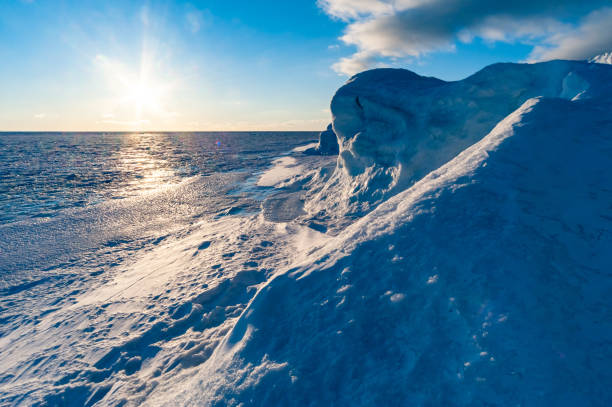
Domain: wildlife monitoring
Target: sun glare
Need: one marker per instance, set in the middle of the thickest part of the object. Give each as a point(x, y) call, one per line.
point(138, 95)
point(145, 97)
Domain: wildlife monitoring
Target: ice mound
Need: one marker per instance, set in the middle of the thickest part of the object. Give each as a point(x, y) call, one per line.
point(394, 126)
point(328, 143)
point(485, 283)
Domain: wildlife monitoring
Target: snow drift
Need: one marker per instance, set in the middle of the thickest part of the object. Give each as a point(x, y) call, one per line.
point(482, 277)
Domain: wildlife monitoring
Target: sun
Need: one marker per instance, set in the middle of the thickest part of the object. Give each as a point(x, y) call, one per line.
point(144, 95)
point(137, 95)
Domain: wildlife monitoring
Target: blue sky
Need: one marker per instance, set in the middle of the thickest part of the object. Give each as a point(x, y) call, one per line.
point(234, 65)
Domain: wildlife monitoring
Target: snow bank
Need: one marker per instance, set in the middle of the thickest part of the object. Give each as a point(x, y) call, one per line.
point(485, 283)
point(394, 126)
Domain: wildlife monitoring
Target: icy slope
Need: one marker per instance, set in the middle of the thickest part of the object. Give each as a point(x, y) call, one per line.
point(394, 126)
point(485, 283)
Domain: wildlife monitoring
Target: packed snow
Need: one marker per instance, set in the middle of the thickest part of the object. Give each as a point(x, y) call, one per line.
point(455, 253)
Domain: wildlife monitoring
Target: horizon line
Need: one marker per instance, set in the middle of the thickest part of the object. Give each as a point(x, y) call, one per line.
point(157, 131)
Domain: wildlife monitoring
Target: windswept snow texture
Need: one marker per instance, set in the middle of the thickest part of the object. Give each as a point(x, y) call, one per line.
point(485, 283)
point(455, 253)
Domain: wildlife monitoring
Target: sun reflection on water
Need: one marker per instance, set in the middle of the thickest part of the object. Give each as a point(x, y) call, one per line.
point(43, 174)
point(141, 158)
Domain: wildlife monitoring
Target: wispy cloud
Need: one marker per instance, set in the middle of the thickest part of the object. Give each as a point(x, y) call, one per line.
point(383, 29)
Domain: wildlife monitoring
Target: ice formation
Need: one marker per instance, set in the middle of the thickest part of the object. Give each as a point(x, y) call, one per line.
point(485, 281)
point(394, 126)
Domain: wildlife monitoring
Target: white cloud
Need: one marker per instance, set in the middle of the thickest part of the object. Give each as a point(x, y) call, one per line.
point(352, 9)
point(592, 37)
point(356, 63)
point(412, 28)
point(390, 36)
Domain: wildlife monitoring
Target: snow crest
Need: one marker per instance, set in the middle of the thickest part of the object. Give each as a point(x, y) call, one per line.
point(394, 126)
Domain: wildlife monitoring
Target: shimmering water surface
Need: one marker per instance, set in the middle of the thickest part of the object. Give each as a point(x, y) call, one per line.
point(67, 198)
point(44, 173)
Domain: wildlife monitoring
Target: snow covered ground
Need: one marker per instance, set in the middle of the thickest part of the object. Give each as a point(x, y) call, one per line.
point(486, 282)
point(456, 253)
